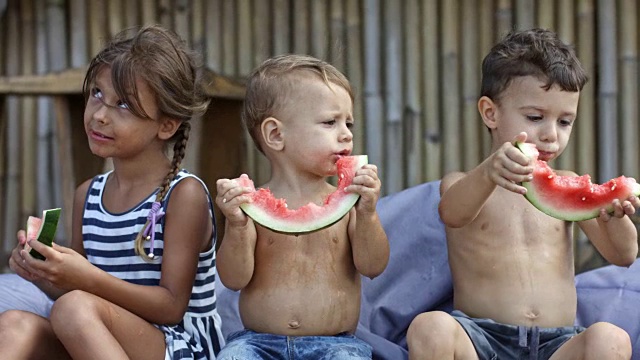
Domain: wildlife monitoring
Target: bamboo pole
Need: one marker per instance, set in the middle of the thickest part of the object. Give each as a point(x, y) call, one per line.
point(373, 106)
point(281, 29)
point(486, 43)
point(27, 114)
point(566, 32)
point(116, 23)
point(628, 54)
point(12, 218)
point(165, 11)
point(63, 133)
point(213, 40)
point(393, 173)
point(301, 26)
point(319, 30)
point(197, 28)
point(97, 26)
point(472, 126)
point(132, 15)
point(545, 14)
point(353, 54)
point(525, 14)
point(263, 48)
point(586, 126)
point(504, 18)
point(336, 38)
point(149, 12)
point(413, 111)
point(245, 65)
point(45, 198)
point(78, 33)
point(452, 154)
point(3, 176)
point(430, 77)
point(608, 91)
point(57, 41)
point(182, 19)
point(229, 43)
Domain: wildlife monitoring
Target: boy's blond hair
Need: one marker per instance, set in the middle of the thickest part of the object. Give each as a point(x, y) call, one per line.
point(275, 79)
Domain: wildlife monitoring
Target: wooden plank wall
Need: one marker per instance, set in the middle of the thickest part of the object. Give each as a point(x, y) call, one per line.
point(414, 63)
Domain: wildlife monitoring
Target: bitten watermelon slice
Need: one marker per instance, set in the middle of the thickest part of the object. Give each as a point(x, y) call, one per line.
point(572, 198)
point(273, 213)
point(43, 229)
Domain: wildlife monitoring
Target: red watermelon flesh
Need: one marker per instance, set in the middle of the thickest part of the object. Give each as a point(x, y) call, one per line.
point(273, 213)
point(572, 198)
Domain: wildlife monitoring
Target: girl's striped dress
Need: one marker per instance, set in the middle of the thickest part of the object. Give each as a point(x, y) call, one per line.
point(109, 244)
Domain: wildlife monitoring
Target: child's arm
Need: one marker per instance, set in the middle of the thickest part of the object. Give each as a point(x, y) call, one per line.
point(464, 195)
point(235, 258)
point(187, 231)
point(614, 235)
point(369, 242)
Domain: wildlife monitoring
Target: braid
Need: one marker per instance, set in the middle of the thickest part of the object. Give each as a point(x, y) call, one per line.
point(179, 149)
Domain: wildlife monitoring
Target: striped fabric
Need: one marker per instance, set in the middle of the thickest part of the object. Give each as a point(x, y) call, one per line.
point(109, 244)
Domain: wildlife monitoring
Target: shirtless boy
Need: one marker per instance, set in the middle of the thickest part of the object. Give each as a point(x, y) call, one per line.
point(300, 294)
point(512, 265)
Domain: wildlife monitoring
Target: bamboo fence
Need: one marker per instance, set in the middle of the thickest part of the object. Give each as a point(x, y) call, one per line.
point(414, 64)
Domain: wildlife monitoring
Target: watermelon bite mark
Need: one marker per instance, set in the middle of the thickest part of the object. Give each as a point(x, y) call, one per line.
point(572, 198)
point(274, 213)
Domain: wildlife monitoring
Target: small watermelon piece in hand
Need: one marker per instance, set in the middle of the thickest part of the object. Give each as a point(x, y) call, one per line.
point(43, 229)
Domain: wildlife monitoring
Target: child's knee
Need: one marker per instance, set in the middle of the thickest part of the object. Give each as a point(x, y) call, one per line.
point(434, 326)
point(609, 339)
point(75, 308)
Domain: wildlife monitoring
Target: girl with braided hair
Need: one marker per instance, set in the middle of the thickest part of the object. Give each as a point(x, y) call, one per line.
point(138, 279)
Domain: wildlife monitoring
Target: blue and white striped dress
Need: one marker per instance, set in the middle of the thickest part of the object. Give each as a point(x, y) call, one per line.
point(109, 244)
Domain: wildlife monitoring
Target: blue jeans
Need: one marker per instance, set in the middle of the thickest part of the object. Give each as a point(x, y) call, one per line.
point(250, 345)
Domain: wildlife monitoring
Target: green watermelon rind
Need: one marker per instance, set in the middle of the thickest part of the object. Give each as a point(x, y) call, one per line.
point(47, 231)
point(571, 215)
point(262, 217)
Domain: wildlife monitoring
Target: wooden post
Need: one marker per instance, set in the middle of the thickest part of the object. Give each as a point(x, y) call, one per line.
point(431, 99)
point(412, 114)
point(65, 160)
point(472, 125)
point(628, 54)
point(452, 154)
point(565, 29)
point(354, 58)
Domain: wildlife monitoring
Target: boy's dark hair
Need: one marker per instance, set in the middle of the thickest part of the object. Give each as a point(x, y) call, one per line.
point(535, 52)
point(273, 81)
point(161, 59)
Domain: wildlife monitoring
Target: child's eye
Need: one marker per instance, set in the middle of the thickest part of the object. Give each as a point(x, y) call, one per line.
point(329, 122)
point(534, 117)
point(96, 93)
point(350, 124)
point(122, 105)
point(565, 122)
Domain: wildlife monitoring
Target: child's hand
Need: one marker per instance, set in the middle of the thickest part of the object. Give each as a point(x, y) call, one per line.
point(63, 268)
point(508, 166)
point(620, 209)
point(17, 262)
point(230, 196)
point(367, 184)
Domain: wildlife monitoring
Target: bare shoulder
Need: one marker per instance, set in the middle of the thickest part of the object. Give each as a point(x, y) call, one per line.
point(450, 179)
point(189, 190)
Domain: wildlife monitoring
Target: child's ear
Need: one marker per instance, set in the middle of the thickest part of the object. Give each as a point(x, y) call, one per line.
point(168, 128)
point(487, 109)
point(272, 133)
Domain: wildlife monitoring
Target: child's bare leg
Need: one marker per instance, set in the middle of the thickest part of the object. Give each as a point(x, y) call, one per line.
point(600, 341)
point(24, 335)
point(93, 328)
point(437, 335)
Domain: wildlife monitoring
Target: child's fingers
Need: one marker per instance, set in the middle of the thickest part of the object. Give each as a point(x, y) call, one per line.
point(43, 249)
point(22, 237)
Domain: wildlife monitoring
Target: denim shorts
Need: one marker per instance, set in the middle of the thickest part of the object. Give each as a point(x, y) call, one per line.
point(493, 340)
point(251, 345)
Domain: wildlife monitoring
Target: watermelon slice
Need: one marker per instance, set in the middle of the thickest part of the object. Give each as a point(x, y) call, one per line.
point(43, 229)
point(572, 198)
point(274, 214)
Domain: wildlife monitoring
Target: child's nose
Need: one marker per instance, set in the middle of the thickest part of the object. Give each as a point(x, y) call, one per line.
point(101, 113)
point(549, 133)
point(346, 134)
